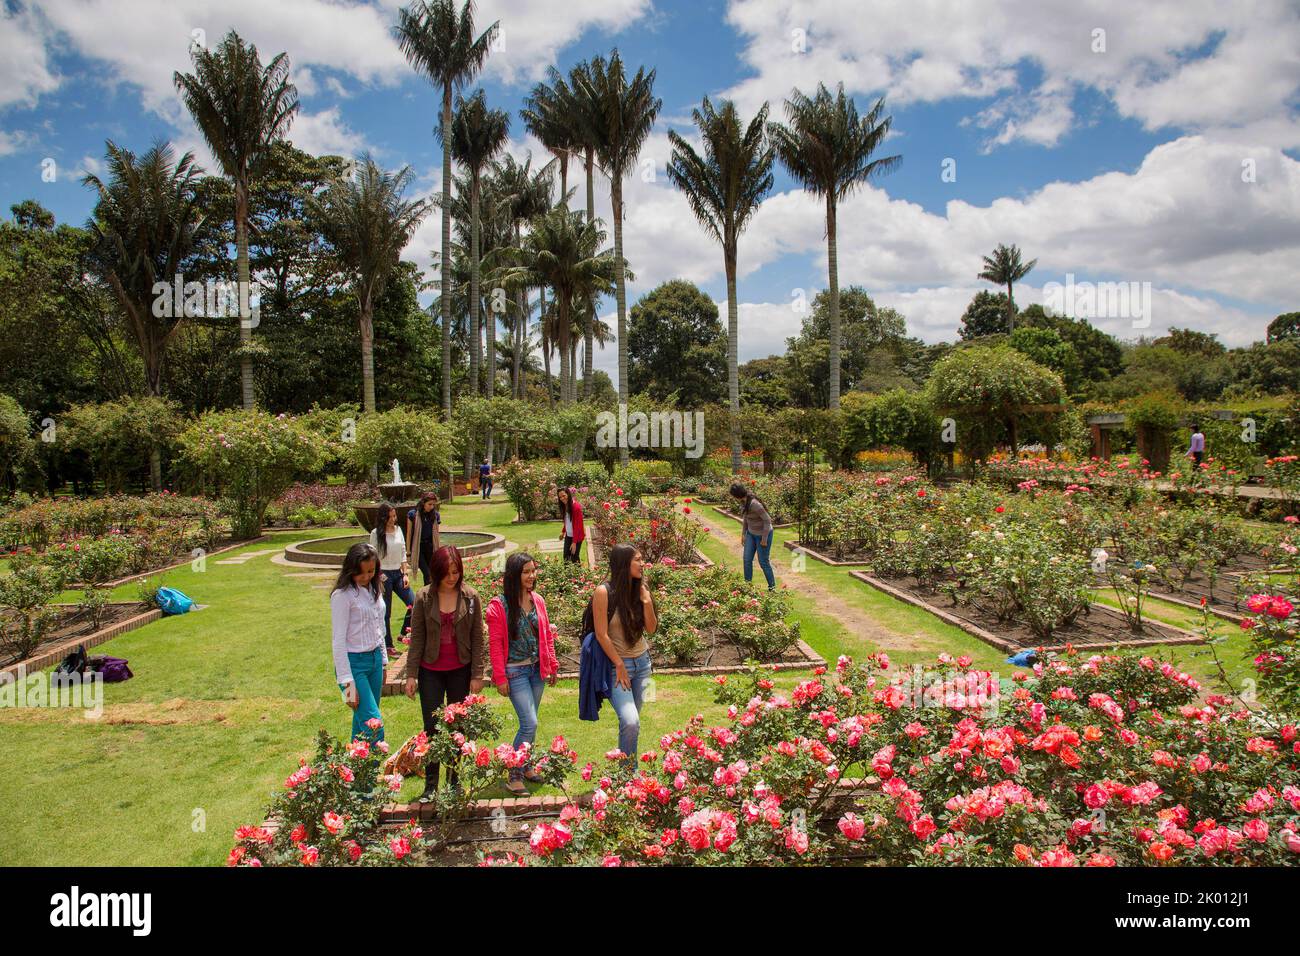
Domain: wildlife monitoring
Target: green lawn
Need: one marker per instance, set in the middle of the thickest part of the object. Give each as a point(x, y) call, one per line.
point(225, 700)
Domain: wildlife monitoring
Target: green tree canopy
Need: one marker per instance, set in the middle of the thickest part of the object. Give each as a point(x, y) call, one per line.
point(676, 343)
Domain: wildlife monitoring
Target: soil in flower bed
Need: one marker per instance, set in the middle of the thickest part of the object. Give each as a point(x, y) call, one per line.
point(1226, 598)
point(74, 622)
point(1098, 626)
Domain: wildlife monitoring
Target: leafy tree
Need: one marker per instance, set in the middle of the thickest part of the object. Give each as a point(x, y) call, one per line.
point(986, 315)
point(250, 457)
point(1005, 268)
point(992, 391)
point(18, 458)
point(1270, 368)
point(865, 330)
point(1285, 326)
point(368, 223)
point(764, 384)
point(1047, 348)
point(118, 439)
point(900, 418)
point(1100, 356)
point(676, 344)
point(1191, 342)
point(828, 148)
point(441, 44)
point(424, 445)
point(145, 225)
point(241, 109)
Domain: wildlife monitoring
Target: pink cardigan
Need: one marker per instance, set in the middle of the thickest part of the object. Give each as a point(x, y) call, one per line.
point(499, 641)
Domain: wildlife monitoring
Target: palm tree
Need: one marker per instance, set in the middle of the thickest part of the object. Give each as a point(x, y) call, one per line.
point(827, 147)
point(547, 114)
point(1005, 268)
point(524, 195)
point(478, 134)
point(725, 187)
point(563, 252)
point(368, 223)
point(441, 44)
point(241, 109)
point(626, 110)
point(144, 229)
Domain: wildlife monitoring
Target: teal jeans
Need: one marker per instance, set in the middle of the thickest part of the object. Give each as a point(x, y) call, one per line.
point(368, 676)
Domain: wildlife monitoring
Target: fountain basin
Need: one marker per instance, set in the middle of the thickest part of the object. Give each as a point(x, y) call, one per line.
point(329, 552)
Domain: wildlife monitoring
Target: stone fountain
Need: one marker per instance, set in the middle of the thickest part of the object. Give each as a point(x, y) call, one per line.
point(403, 495)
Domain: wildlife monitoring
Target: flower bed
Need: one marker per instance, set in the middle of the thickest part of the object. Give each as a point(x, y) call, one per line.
point(157, 523)
point(709, 618)
point(310, 505)
point(1098, 761)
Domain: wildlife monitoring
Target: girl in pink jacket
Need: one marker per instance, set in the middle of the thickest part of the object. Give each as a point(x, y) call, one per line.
point(522, 646)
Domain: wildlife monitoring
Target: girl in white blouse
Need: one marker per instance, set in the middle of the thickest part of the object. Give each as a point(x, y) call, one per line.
point(390, 543)
point(357, 625)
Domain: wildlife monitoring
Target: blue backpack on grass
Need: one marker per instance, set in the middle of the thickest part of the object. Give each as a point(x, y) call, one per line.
point(172, 601)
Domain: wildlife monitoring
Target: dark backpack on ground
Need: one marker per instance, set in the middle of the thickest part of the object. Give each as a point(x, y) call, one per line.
point(111, 669)
point(74, 663)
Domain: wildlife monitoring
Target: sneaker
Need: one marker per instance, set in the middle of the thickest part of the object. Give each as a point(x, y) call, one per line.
point(430, 794)
point(531, 775)
point(515, 784)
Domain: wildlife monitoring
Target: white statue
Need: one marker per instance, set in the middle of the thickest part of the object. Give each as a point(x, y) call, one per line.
point(397, 473)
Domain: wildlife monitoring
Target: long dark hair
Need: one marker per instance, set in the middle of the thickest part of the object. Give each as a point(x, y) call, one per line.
point(513, 589)
point(740, 492)
point(424, 499)
point(381, 526)
point(623, 591)
point(358, 553)
point(566, 503)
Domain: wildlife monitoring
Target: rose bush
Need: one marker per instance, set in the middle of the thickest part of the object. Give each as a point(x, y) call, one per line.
point(1086, 761)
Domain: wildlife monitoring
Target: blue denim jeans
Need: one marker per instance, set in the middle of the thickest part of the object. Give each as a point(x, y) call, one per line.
point(752, 545)
point(393, 582)
point(526, 686)
point(368, 676)
point(627, 702)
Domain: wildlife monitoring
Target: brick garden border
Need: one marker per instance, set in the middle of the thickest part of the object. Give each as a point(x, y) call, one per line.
point(720, 509)
point(59, 651)
point(1004, 645)
point(796, 546)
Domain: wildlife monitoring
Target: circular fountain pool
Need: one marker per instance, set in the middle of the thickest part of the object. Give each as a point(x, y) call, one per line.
point(328, 552)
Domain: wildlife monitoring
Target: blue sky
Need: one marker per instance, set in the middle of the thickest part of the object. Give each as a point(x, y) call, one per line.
point(1156, 145)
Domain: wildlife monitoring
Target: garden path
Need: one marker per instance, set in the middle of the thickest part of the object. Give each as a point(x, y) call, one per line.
point(858, 625)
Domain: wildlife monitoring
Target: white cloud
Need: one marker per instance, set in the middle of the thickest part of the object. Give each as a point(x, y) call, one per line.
point(930, 51)
point(325, 133)
point(25, 70)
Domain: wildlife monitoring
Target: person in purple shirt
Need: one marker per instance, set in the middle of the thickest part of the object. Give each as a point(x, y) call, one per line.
point(1196, 450)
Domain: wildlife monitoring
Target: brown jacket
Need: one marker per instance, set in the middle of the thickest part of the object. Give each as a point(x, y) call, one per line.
point(426, 632)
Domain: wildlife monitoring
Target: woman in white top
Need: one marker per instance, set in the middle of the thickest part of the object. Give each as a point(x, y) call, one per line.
point(390, 543)
point(356, 622)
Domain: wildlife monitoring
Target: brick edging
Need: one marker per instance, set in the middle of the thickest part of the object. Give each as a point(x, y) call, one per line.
point(720, 509)
point(169, 567)
point(1004, 645)
point(56, 654)
point(796, 546)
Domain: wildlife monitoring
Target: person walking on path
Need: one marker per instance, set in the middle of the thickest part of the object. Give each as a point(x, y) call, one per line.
point(1196, 448)
point(522, 647)
point(357, 639)
point(622, 614)
point(447, 661)
point(387, 539)
point(422, 535)
point(485, 479)
point(575, 532)
point(758, 533)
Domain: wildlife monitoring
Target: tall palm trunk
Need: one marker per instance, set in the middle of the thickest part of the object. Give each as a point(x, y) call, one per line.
point(245, 292)
point(834, 270)
point(368, 354)
point(733, 372)
point(621, 294)
point(589, 321)
point(1011, 311)
point(475, 307)
point(446, 251)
